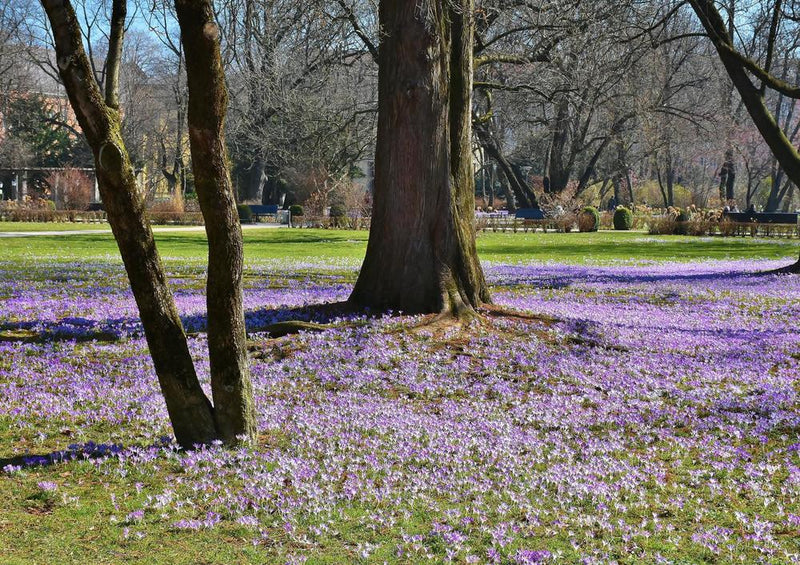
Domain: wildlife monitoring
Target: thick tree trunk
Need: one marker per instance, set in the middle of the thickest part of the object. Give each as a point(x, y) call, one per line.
point(421, 255)
point(774, 200)
point(255, 183)
point(190, 412)
point(208, 98)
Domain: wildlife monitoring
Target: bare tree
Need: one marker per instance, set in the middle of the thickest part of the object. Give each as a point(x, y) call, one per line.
point(194, 419)
point(304, 91)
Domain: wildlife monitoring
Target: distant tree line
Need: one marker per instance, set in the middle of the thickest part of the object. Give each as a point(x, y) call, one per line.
point(585, 99)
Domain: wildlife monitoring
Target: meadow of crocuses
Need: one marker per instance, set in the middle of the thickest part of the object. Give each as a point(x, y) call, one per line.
point(641, 413)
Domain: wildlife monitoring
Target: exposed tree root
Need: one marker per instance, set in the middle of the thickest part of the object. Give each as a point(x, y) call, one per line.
point(290, 327)
point(494, 311)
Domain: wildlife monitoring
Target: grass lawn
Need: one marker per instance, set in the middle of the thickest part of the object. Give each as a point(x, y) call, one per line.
point(51, 226)
point(576, 248)
point(643, 411)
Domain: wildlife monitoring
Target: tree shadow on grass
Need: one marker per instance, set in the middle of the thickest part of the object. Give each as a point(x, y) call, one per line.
point(565, 276)
point(74, 452)
point(112, 330)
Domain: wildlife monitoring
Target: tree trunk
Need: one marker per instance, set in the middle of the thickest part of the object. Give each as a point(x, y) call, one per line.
point(773, 200)
point(588, 172)
point(492, 181)
point(787, 201)
point(522, 193)
point(670, 184)
point(257, 180)
point(617, 192)
point(558, 172)
point(421, 255)
point(189, 410)
point(208, 98)
point(662, 188)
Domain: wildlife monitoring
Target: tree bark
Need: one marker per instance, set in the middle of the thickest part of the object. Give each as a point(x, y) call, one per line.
point(421, 255)
point(189, 410)
point(208, 98)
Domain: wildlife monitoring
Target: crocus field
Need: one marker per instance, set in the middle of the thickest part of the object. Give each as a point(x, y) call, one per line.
point(636, 413)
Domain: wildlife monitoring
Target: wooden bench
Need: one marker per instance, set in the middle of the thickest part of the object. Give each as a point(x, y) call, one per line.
point(532, 218)
point(259, 211)
point(763, 223)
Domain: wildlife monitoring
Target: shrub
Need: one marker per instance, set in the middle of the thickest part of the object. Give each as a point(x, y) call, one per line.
point(623, 219)
point(589, 219)
point(727, 227)
point(565, 222)
point(663, 226)
point(72, 188)
point(682, 218)
point(245, 213)
point(683, 215)
point(296, 210)
point(337, 211)
point(699, 226)
point(606, 220)
point(337, 215)
point(166, 211)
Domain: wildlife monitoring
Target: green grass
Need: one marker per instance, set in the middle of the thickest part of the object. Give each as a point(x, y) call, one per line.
point(601, 247)
point(83, 530)
point(51, 226)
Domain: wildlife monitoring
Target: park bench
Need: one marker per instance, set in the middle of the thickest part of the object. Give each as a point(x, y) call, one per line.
point(531, 218)
point(260, 211)
point(763, 223)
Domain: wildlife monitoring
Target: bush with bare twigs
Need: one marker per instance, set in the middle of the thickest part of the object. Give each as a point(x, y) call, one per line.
point(71, 188)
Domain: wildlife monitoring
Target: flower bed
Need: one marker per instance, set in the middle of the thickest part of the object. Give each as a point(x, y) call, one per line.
point(638, 412)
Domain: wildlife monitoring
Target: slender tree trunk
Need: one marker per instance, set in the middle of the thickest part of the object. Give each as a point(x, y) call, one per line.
point(558, 172)
point(787, 200)
point(208, 100)
point(492, 181)
point(190, 412)
point(629, 183)
point(483, 177)
point(588, 172)
point(662, 188)
point(421, 255)
point(670, 181)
